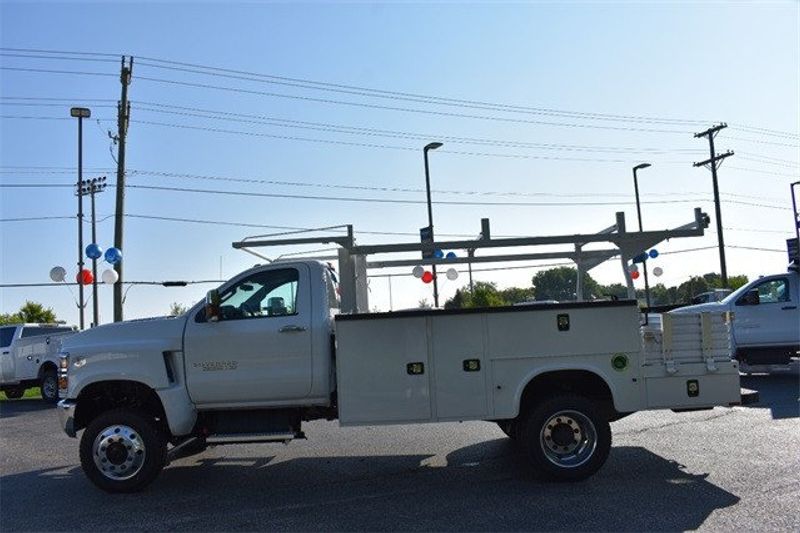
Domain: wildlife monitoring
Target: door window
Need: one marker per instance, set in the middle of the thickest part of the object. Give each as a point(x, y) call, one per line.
point(268, 293)
point(773, 291)
point(6, 336)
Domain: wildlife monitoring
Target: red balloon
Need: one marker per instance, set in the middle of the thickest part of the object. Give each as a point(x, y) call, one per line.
point(635, 275)
point(85, 277)
point(427, 277)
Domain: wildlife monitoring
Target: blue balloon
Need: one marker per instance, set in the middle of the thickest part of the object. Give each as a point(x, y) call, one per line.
point(438, 254)
point(641, 258)
point(113, 255)
point(93, 251)
point(451, 255)
point(653, 253)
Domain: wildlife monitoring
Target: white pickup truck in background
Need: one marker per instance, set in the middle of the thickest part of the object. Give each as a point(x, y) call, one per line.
point(766, 320)
point(269, 350)
point(29, 358)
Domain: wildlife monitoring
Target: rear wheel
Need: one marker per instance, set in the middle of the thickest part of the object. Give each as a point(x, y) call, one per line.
point(14, 393)
point(566, 438)
point(49, 386)
point(122, 451)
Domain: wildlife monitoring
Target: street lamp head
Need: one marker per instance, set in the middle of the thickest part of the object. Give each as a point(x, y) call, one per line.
point(433, 146)
point(80, 112)
point(641, 166)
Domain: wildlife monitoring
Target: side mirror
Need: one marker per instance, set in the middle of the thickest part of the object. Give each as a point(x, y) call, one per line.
point(213, 313)
point(750, 298)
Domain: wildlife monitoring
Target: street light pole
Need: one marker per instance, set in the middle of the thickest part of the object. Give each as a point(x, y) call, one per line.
point(639, 214)
point(428, 147)
point(80, 113)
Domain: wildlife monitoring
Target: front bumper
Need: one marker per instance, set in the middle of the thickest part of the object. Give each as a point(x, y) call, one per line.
point(66, 413)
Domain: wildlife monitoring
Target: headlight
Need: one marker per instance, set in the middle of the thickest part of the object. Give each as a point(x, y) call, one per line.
point(63, 361)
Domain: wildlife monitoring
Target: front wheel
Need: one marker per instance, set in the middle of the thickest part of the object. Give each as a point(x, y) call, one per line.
point(49, 386)
point(122, 451)
point(566, 438)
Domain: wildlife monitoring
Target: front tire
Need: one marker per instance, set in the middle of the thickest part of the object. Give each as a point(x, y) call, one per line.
point(49, 386)
point(122, 451)
point(566, 438)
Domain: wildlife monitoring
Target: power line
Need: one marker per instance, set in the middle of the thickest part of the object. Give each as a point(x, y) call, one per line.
point(355, 130)
point(41, 51)
point(381, 146)
point(403, 109)
point(55, 71)
point(370, 92)
point(435, 100)
point(795, 176)
point(155, 173)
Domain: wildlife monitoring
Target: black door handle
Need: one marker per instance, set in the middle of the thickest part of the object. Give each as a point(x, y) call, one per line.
point(788, 307)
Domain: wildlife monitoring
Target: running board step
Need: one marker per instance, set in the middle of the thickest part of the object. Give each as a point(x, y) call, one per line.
point(246, 438)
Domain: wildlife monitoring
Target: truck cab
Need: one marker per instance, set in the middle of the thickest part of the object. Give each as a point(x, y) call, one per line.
point(28, 358)
point(766, 319)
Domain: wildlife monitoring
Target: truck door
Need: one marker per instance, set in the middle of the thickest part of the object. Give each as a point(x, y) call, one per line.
point(773, 320)
point(260, 349)
point(7, 363)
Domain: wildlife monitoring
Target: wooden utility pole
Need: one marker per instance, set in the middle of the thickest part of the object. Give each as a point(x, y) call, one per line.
point(713, 163)
point(123, 119)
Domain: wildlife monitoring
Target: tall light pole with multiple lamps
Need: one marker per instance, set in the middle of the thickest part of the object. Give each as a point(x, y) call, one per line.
point(429, 147)
point(80, 113)
point(639, 214)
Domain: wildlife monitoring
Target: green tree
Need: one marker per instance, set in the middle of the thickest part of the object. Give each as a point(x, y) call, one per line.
point(560, 284)
point(485, 295)
point(32, 312)
point(176, 309)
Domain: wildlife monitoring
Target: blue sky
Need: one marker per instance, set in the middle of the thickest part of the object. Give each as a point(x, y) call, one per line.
point(733, 62)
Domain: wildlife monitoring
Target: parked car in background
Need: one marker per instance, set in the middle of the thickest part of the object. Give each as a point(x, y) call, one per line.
point(29, 358)
point(766, 319)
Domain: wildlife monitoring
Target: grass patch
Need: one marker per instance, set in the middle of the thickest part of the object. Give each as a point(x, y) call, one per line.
point(33, 392)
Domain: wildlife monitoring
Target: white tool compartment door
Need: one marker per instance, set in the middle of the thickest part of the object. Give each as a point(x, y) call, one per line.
point(460, 367)
point(382, 370)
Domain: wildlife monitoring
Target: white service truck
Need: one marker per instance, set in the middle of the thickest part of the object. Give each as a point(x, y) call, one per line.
point(766, 320)
point(269, 350)
point(29, 358)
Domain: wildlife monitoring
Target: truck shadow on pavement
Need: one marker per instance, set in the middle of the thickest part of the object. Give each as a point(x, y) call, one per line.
point(481, 487)
point(11, 408)
point(778, 392)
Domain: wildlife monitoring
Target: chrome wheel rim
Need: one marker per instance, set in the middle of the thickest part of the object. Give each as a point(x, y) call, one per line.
point(568, 439)
point(118, 452)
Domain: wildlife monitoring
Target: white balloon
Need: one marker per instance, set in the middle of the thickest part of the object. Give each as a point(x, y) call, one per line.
point(452, 274)
point(657, 271)
point(418, 271)
point(634, 267)
point(110, 276)
point(58, 274)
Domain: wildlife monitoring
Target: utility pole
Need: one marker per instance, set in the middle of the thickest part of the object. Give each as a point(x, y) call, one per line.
point(92, 187)
point(713, 162)
point(123, 119)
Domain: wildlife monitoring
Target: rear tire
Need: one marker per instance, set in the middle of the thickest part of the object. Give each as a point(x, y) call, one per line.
point(565, 438)
point(14, 393)
point(49, 386)
point(122, 451)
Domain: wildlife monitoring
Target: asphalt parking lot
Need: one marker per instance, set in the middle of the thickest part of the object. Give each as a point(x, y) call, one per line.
point(726, 469)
